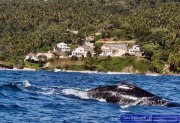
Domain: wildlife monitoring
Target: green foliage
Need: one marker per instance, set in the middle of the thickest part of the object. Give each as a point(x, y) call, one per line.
point(32, 65)
point(113, 64)
point(117, 64)
point(174, 61)
point(42, 60)
point(120, 34)
point(2, 55)
point(98, 37)
point(157, 66)
point(109, 58)
point(77, 67)
point(97, 48)
point(34, 26)
point(142, 66)
point(74, 58)
point(89, 60)
point(89, 55)
point(73, 46)
point(150, 50)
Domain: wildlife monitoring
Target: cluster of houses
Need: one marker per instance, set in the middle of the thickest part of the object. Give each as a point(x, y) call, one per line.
point(113, 50)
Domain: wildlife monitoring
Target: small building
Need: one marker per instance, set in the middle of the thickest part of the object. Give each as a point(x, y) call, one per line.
point(62, 47)
point(31, 58)
point(114, 50)
point(79, 52)
point(135, 50)
point(106, 51)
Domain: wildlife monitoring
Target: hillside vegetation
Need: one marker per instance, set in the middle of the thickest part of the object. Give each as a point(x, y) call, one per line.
point(35, 25)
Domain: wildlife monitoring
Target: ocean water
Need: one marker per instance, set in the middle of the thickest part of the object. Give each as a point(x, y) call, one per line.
point(60, 97)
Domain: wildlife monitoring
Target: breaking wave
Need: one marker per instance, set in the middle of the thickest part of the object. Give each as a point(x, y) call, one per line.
point(153, 74)
point(26, 86)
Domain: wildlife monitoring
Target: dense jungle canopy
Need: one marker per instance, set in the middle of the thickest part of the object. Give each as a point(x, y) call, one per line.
point(35, 25)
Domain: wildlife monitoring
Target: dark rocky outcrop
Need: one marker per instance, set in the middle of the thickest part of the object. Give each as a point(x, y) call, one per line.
point(2, 66)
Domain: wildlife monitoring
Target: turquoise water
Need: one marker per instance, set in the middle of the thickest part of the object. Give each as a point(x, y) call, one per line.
point(61, 97)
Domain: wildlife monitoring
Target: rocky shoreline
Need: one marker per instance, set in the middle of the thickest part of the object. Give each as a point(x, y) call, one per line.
point(124, 71)
point(109, 72)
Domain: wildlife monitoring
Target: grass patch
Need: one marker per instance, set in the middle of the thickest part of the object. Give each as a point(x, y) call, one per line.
point(77, 67)
point(115, 64)
point(32, 65)
point(6, 63)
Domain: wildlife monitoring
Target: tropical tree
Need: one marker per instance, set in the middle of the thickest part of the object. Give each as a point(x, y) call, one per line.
point(97, 48)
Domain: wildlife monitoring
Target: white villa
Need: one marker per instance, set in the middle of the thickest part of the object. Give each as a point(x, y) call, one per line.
point(135, 50)
point(114, 50)
point(79, 52)
point(106, 51)
point(62, 47)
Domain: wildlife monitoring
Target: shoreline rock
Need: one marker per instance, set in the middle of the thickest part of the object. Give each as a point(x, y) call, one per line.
point(96, 72)
point(109, 72)
point(2, 66)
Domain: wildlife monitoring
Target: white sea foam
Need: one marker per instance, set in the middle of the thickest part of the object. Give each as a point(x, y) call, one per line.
point(47, 92)
point(57, 70)
point(101, 100)
point(26, 83)
point(75, 92)
point(50, 92)
point(118, 73)
point(152, 74)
